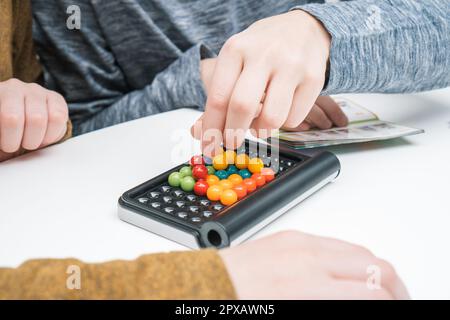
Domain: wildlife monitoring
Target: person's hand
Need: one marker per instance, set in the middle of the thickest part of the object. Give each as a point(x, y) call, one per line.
point(206, 72)
point(31, 117)
point(294, 265)
point(325, 113)
point(265, 77)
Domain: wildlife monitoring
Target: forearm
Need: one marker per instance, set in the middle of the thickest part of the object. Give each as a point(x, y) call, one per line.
point(177, 275)
point(386, 46)
point(178, 86)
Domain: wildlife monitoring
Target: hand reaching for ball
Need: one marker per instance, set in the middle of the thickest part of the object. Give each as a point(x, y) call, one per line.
point(254, 86)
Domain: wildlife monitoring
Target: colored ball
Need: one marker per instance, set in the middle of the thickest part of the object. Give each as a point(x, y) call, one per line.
point(255, 165)
point(241, 161)
point(228, 197)
point(174, 179)
point(249, 184)
point(199, 172)
point(232, 169)
point(268, 173)
point(221, 174)
point(207, 160)
point(220, 162)
point(230, 155)
point(244, 173)
point(211, 169)
point(196, 160)
point(186, 171)
point(200, 188)
point(259, 179)
point(240, 190)
point(212, 180)
point(187, 183)
point(213, 192)
point(225, 184)
point(235, 179)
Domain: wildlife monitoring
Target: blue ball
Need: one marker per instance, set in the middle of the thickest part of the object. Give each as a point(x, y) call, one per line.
point(221, 174)
point(207, 160)
point(232, 169)
point(244, 173)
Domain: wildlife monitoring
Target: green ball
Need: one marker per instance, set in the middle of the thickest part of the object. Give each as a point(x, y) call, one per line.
point(187, 183)
point(211, 169)
point(175, 179)
point(186, 171)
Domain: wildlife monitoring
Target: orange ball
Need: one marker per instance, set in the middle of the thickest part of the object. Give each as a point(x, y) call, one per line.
point(225, 184)
point(213, 193)
point(228, 197)
point(255, 165)
point(249, 184)
point(212, 179)
point(268, 173)
point(259, 179)
point(235, 179)
point(241, 161)
point(240, 190)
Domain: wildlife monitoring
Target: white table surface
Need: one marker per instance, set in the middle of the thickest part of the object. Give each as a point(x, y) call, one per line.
point(392, 197)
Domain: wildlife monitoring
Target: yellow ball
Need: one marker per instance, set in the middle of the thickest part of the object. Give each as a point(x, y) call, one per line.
point(230, 155)
point(225, 184)
point(255, 165)
point(220, 162)
point(242, 161)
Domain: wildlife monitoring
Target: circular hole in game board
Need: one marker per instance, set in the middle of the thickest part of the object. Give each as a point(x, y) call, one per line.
point(214, 238)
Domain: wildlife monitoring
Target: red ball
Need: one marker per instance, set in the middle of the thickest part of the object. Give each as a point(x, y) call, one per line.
point(268, 173)
point(260, 180)
point(249, 184)
point(199, 172)
point(200, 188)
point(197, 160)
point(240, 190)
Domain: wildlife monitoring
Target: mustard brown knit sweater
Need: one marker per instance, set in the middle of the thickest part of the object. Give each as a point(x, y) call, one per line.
point(177, 275)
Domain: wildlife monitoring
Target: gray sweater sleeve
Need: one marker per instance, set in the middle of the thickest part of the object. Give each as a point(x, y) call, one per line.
point(83, 67)
point(377, 46)
point(386, 46)
point(178, 86)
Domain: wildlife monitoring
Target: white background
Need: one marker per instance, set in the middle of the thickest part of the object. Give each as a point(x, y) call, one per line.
point(392, 197)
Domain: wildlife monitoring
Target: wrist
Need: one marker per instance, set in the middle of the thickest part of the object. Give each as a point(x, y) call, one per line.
point(234, 261)
point(316, 29)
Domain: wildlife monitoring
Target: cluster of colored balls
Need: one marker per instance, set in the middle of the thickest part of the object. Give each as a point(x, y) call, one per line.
point(230, 178)
point(192, 177)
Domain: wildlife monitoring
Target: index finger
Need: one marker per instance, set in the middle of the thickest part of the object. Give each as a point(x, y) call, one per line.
point(226, 73)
